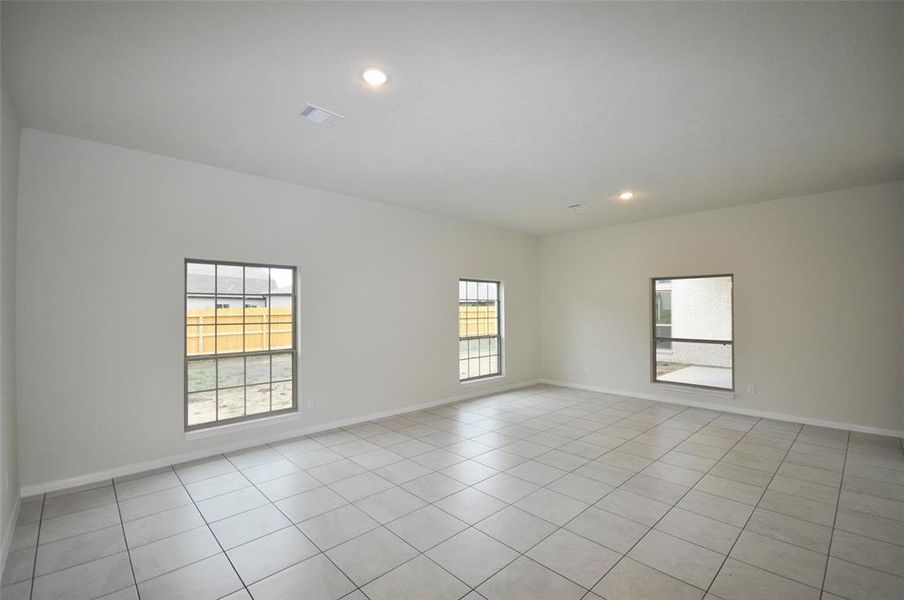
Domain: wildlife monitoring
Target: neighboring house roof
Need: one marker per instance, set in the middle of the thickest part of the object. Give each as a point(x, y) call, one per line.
point(256, 281)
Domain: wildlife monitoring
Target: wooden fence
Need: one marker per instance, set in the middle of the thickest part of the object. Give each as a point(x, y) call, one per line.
point(221, 330)
point(476, 319)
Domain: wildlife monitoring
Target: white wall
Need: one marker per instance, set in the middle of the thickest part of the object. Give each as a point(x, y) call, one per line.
point(9, 170)
point(818, 288)
point(103, 232)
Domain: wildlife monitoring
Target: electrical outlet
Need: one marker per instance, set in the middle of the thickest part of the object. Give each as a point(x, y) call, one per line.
point(309, 403)
point(751, 389)
point(587, 370)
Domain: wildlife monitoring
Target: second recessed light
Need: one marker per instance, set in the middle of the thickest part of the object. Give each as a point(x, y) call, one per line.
point(374, 77)
point(626, 195)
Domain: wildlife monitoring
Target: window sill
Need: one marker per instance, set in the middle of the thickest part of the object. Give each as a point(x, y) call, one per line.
point(687, 389)
point(482, 379)
point(217, 430)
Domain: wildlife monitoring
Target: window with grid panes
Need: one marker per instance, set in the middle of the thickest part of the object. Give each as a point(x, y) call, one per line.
point(479, 329)
point(240, 355)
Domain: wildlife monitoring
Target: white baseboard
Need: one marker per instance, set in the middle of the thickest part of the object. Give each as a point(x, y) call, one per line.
point(691, 398)
point(61, 484)
point(8, 534)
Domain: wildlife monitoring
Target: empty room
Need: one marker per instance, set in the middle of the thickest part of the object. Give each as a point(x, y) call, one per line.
point(452, 300)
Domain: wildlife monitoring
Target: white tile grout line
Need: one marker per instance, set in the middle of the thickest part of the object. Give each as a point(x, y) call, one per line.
point(125, 542)
point(747, 522)
point(825, 571)
point(216, 539)
point(34, 567)
point(570, 402)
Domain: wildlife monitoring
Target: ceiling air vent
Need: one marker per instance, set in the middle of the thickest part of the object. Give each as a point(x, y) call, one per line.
point(319, 115)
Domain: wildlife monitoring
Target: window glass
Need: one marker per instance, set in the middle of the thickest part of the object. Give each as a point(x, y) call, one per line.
point(239, 341)
point(479, 337)
point(692, 331)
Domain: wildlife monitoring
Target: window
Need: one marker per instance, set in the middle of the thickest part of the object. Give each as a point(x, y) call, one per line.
point(693, 340)
point(479, 329)
point(240, 356)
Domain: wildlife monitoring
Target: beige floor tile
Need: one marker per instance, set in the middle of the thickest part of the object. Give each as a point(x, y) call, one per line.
point(683, 560)
point(631, 580)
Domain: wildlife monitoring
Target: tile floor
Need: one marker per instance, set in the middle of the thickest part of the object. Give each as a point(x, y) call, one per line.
point(542, 492)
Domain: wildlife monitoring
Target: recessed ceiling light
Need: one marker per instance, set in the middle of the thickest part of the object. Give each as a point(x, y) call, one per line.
point(626, 195)
point(374, 77)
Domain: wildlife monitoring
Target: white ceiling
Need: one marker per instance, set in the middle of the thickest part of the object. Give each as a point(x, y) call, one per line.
point(503, 113)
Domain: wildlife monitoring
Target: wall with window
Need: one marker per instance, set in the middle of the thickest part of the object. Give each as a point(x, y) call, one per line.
point(104, 233)
point(818, 283)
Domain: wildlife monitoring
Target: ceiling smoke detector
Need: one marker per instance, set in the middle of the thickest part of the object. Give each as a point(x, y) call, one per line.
point(319, 115)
